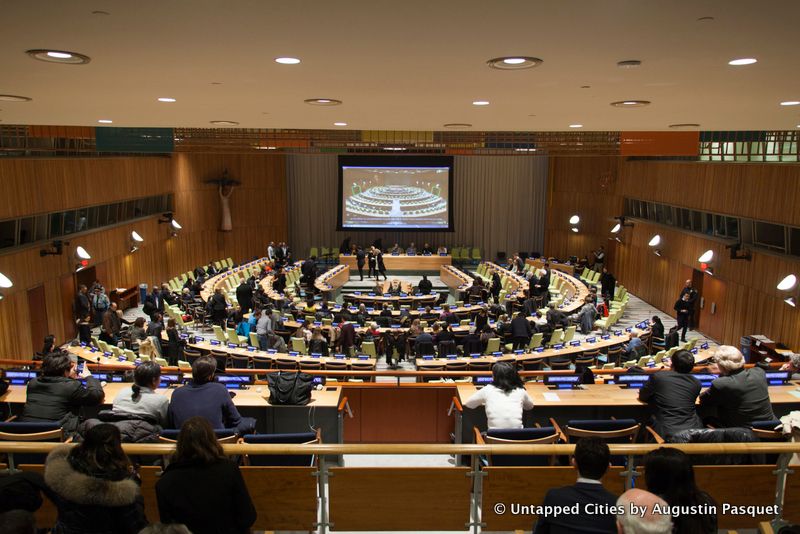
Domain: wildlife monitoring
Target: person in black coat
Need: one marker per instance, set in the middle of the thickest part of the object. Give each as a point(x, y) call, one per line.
point(671, 396)
point(371, 263)
point(425, 286)
point(607, 283)
point(82, 307)
point(218, 307)
point(656, 328)
point(57, 394)
point(244, 294)
point(496, 285)
point(740, 395)
point(683, 312)
point(380, 264)
point(360, 260)
point(591, 460)
point(153, 303)
point(309, 270)
point(94, 487)
point(520, 331)
point(183, 493)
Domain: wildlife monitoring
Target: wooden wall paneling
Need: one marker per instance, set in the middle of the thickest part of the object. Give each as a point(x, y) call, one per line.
point(37, 315)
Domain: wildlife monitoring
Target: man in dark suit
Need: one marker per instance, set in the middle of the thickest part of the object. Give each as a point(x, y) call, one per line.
point(82, 306)
point(591, 460)
point(425, 286)
point(244, 294)
point(555, 317)
point(361, 258)
point(309, 270)
point(153, 303)
point(671, 396)
point(347, 335)
point(521, 331)
point(739, 395)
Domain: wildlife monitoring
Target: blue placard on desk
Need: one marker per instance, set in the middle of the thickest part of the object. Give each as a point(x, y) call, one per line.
point(184, 336)
point(107, 354)
point(451, 357)
point(472, 323)
point(438, 308)
point(420, 310)
point(293, 353)
point(704, 346)
point(214, 342)
point(617, 332)
point(395, 253)
point(338, 356)
point(272, 351)
point(467, 305)
point(539, 349)
point(605, 336)
point(418, 295)
point(363, 356)
point(92, 349)
point(387, 295)
point(591, 339)
point(317, 323)
point(334, 325)
point(403, 294)
point(558, 346)
point(198, 339)
point(497, 354)
point(356, 292)
point(442, 254)
point(575, 343)
point(629, 329)
point(474, 355)
point(251, 349)
point(370, 310)
point(122, 359)
point(397, 326)
point(232, 345)
point(412, 254)
point(694, 350)
point(83, 344)
point(427, 357)
point(316, 355)
point(519, 351)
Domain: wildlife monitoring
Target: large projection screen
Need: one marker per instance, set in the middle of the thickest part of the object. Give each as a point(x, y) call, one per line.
point(395, 193)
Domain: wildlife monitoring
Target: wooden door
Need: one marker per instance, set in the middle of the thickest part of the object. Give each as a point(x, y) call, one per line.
point(37, 311)
point(712, 317)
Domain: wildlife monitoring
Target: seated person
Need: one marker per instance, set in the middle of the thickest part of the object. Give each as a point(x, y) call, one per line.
point(505, 398)
point(591, 460)
point(556, 318)
point(448, 316)
point(57, 394)
point(411, 249)
point(395, 249)
point(793, 365)
point(740, 395)
point(206, 398)
point(643, 518)
point(671, 396)
point(141, 398)
point(423, 340)
point(378, 289)
point(441, 250)
point(395, 288)
point(634, 347)
point(427, 250)
point(425, 286)
point(318, 343)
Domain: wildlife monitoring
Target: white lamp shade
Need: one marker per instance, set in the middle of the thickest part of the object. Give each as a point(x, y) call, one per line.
point(706, 257)
point(136, 237)
point(5, 281)
point(788, 283)
point(574, 219)
point(616, 229)
point(176, 225)
point(655, 241)
point(82, 254)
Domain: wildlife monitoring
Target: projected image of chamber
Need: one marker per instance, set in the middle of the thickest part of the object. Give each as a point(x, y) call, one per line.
point(395, 197)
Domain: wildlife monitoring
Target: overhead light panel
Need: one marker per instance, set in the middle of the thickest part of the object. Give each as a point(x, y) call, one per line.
point(166, 99)
point(59, 56)
point(287, 60)
point(791, 301)
point(480, 103)
point(742, 61)
point(322, 101)
point(788, 283)
point(514, 62)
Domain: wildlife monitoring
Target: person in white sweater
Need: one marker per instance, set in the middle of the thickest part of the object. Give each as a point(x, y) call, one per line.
point(505, 398)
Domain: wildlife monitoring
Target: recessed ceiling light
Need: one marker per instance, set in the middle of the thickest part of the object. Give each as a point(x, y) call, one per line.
point(514, 62)
point(684, 125)
point(322, 101)
point(790, 103)
point(458, 125)
point(629, 64)
point(59, 56)
point(480, 103)
point(224, 123)
point(287, 60)
point(105, 121)
point(166, 99)
point(340, 124)
point(576, 125)
point(742, 61)
point(631, 103)
point(15, 98)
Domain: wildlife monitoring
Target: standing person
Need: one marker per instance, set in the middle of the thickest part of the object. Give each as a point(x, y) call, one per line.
point(271, 251)
point(263, 328)
point(505, 398)
point(692, 292)
point(668, 473)
point(520, 331)
point(586, 315)
point(198, 464)
point(347, 335)
point(683, 312)
point(496, 286)
point(82, 307)
point(599, 258)
point(112, 324)
point(672, 395)
point(380, 264)
point(244, 295)
point(94, 485)
point(425, 286)
point(218, 307)
point(591, 460)
point(607, 284)
point(85, 329)
point(360, 260)
point(100, 303)
point(153, 303)
point(371, 263)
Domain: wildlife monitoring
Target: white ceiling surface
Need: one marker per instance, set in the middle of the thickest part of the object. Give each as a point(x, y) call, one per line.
point(403, 65)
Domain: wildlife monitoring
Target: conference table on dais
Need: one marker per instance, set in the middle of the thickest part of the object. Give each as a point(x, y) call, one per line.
point(403, 262)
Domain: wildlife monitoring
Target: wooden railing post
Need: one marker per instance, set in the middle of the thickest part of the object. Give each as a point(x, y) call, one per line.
point(477, 475)
point(780, 488)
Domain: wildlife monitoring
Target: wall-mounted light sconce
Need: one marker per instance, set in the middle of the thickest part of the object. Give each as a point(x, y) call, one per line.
point(5, 283)
point(134, 241)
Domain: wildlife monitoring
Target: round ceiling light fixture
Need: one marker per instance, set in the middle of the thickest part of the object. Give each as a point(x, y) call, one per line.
point(59, 56)
point(514, 62)
point(742, 61)
point(629, 64)
point(322, 101)
point(458, 125)
point(480, 103)
point(15, 98)
point(631, 103)
point(105, 121)
point(287, 60)
point(166, 99)
point(340, 124)
point(576, 125)
point(224, 123)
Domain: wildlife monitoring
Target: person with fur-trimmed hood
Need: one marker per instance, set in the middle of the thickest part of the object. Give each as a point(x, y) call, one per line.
point(94, 486)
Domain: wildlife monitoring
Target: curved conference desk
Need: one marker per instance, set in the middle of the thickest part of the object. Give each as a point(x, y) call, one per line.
point(403, 262)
